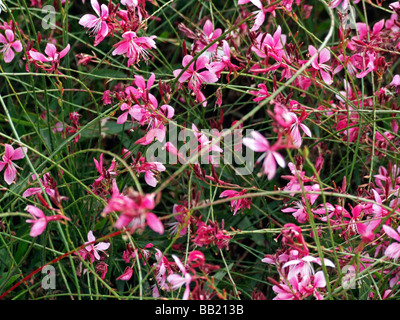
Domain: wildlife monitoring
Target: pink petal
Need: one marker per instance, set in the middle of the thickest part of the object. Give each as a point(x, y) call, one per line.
point(17, 46)
point(324, 55)
point(38, 56)
point(95, 6)
point(35, 211)
point(8, 55)
point(150, 179)
point(154, 223)
point(391, 232)
point(9, 151)
point(50, 50)
point(9, 35)
point(19, 153)
point(10, 174)
point(208, 27)
point(123, 118)
point(88, 21)
point(326, 77)
point(37, 227)
point(260, 18)
point(90, 236)
point(65, 51)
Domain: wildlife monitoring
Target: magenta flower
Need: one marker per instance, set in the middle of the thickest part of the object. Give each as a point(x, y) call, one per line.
point(209, 35)
point(126, 275)
point(236, 204)
point(259, 144)
point(92, 250)
point(40, 220)
point(319, 63)
point(52, 54)
point(9, 45)
point(134, 47)
point(270, 45)
point(393, 250)
point(97, 25)
point(178, 281)
point(11, 155)
point(104, 174)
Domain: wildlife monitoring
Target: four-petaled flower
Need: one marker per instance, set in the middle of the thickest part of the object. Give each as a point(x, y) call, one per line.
point(40, 220)
point(97, 25)
point(11, 155)
point(92, 250)
point(270, 155)
point(9, 45)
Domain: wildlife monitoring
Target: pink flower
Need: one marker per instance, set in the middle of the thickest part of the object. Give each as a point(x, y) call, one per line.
point(126, 275)
point(224, 62)
point(97, 25)
point(270, 46)
point(319, 63)
point(260, 14)
point(209, 35)
point(151, 170)
point(134, 210)
point(134, 47)
point(236, 204)
point(9, 46)
point(134, 111)
point(11, 155)
point(40, 221)
point(393, 250)
point(104, 174)
point(52, 54)
point(178, 281)
point(259, 144)
point(92, 250)
point(304, 267)
point(195, 77)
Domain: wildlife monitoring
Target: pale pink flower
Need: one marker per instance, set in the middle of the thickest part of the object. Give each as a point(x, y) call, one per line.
point(40, 220)
point(11, 155)
point(259, 144)
point(260, 14)
point(178, 281)
point(9, 45)
point(319, 63)
point(303, 266)
point(393, 250)
point(93, 250)
point(134, 47)
point(97, 25)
